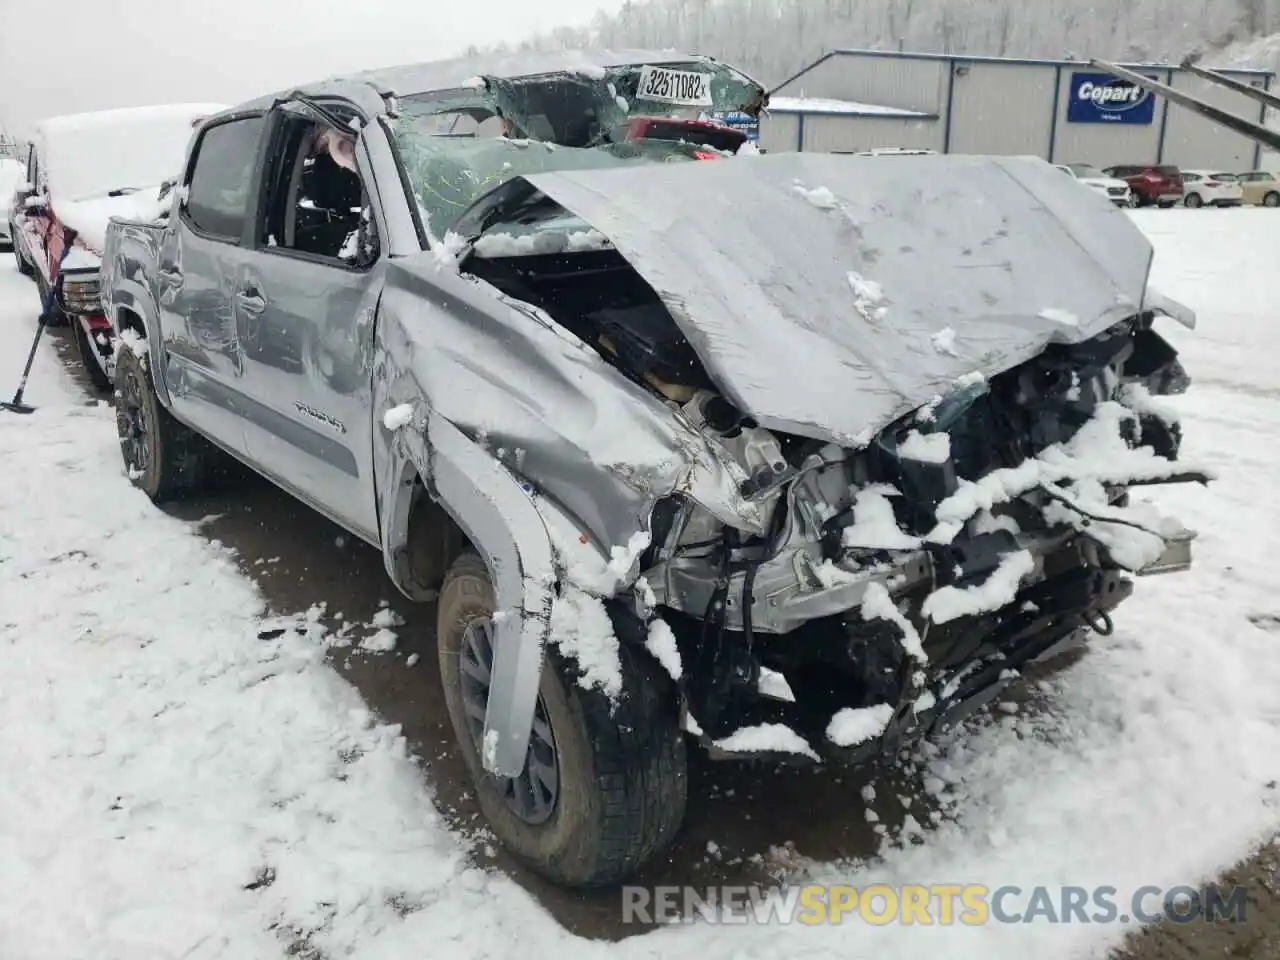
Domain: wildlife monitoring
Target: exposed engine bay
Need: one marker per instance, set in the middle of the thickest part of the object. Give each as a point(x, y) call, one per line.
point(835, 597)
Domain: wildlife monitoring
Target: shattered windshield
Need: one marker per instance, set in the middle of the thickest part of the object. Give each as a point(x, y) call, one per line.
point(458, 145)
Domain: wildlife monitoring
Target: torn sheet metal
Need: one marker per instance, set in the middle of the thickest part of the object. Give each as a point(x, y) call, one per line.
point(814, 287)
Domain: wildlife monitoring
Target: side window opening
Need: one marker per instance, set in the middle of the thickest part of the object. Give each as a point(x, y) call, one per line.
point(218, 189)
point(317, 203)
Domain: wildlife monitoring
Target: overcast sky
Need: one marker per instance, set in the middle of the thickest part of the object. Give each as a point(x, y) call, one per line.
point(65, 56)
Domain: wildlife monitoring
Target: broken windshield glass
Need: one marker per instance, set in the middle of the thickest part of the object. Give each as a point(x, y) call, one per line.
point(460, 144)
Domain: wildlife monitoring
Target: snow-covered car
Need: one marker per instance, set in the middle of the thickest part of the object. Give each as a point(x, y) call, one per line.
point(1117, 191)
point(804, 487)
point(12, 175)
point(83, 169)
point(1211, 188)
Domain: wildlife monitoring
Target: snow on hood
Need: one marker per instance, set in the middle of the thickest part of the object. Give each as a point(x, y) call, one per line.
point(90, 218)
point(12, 173)
point(829, 295)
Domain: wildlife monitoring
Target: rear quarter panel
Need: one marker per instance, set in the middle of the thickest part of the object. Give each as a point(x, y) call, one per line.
point(129, 259)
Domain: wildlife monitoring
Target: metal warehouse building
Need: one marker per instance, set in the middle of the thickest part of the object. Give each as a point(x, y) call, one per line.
point(1061, 110)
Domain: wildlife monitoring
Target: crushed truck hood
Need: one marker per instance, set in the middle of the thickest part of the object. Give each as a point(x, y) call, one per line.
point(829, 295)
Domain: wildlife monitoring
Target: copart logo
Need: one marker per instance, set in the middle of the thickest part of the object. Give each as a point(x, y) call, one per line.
point(1116, 96)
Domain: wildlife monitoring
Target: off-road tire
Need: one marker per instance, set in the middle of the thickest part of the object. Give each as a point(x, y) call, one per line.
point(178, 459)
point(1272, 199)
point(622, 770)
point(89, 356)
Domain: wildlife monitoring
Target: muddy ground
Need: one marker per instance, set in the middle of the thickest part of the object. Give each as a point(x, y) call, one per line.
point(745, 823)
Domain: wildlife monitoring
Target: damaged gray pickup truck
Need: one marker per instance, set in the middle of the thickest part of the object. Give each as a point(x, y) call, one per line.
point(792, 456)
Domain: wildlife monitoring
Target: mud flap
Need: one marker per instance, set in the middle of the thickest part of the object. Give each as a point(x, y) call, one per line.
point(500, 518)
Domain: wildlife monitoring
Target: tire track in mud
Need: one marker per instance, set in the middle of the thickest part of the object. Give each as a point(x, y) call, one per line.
point(746, 823)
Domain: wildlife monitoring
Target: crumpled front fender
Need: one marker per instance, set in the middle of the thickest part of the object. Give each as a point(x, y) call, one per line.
point(499, 516)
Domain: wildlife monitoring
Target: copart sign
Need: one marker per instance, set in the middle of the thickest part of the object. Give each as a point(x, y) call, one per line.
point(1102, 98)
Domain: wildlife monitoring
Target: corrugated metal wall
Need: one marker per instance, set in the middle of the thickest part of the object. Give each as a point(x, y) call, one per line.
point(836, 134)
point(908, 84)
point(825, 133)
point(1193, 141)
point(779, 132)
point(1002, 108)
point(1270, 160)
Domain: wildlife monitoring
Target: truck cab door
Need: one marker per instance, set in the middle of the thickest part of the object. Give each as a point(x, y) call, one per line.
point(201, 253)
point(307, 295)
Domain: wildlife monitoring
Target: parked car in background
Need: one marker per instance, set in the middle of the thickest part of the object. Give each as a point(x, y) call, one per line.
point(639, 424)
point(1150, 183)
point(1208, 188)
point(83, 169)
point(1115, 190)
point(704, 139)
point(13, 173)
point(1260, 188)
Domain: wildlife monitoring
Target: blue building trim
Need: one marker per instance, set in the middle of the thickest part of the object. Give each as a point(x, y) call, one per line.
point(1164, 119)
point(951, 102)
point(1057, 105)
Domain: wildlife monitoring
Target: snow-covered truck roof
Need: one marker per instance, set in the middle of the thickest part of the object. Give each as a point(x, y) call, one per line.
point(87, 155)
point(408, 79)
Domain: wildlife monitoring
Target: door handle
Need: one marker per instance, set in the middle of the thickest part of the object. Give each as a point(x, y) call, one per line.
point(251, 301)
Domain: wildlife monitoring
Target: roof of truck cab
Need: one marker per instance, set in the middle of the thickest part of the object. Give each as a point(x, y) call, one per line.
point(447, 74)
point(414, 78)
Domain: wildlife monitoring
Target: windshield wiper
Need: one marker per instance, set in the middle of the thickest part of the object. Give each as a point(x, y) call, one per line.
point(122, 191)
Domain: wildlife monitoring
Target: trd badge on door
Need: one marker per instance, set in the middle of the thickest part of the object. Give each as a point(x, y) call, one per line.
point(324, 418)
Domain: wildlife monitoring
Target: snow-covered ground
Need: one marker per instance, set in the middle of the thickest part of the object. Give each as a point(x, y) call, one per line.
point(173, 786)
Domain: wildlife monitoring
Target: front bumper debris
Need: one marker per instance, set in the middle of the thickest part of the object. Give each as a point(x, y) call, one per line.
point(1176, 557)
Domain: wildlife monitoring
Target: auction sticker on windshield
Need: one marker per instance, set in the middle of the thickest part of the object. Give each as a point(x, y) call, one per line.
point(674, 86)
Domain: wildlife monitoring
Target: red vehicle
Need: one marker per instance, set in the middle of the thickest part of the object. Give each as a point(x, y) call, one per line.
point(82, 170)
point(1160, 184)
point(721, 138)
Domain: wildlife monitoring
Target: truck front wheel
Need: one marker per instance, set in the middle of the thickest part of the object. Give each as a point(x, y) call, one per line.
point(163, 458)
point(604, 786)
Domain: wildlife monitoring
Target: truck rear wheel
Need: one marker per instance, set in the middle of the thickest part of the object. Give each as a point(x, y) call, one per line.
point(163, 458)
point(604, 786)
